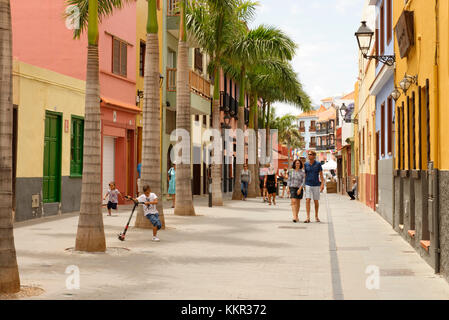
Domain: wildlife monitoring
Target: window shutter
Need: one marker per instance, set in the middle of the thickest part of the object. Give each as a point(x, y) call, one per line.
point(123, 59)
point(198, 60)
point(115, 56)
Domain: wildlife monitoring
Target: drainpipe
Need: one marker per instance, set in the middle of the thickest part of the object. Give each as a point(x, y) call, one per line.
point(436, 126)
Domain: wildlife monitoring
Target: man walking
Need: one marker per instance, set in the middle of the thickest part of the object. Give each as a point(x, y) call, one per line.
point(314, 187)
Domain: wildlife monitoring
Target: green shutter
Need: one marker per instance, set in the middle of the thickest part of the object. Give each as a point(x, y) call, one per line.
point(52, 158)
point(77, 141)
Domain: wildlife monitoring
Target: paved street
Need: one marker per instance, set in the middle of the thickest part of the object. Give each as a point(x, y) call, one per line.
point(245, 250)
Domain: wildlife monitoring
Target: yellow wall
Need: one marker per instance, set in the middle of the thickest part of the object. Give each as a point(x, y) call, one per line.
point(35, 91)
point(421, 61)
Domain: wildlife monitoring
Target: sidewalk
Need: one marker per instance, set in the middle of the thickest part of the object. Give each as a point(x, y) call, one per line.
point(244, 250)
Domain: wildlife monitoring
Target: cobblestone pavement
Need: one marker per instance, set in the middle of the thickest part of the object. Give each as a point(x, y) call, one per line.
point(243, 250)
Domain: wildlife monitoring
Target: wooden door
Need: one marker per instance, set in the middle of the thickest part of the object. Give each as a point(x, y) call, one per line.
point(52, 158)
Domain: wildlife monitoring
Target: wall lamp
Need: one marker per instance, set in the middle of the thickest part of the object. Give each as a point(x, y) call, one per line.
point(395, 94)
point(407, 81)
point(364, 39)
point(139, 97)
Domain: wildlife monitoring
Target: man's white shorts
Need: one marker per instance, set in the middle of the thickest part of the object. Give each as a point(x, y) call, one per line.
point(313, 193)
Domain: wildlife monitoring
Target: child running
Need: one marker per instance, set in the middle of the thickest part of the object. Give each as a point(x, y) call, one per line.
point(149, 209)
point(113, 194)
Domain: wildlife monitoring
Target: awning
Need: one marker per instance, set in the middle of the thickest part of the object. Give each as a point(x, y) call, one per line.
point(121, 105)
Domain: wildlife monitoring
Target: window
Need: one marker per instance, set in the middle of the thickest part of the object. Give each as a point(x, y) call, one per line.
point(197, 118)
point(382, 29)
point(76, 151)
point(198, 60)
point(204, 120)
point(390, 125)
point(119, 57)
point(142, 59)
point(382, 129)
point(389, 21)
point(312, 124)
point(301, 124)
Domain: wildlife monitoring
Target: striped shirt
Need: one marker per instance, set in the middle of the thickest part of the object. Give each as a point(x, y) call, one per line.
point(296, 179)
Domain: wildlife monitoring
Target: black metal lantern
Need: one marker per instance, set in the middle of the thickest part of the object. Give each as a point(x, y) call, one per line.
point(364, 39)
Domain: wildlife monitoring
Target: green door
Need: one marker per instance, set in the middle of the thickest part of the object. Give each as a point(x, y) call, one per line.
point(52, 158)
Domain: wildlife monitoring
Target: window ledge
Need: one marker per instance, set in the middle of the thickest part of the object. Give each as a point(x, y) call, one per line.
point(75, 176)
point(411, 233)
point(425, 244)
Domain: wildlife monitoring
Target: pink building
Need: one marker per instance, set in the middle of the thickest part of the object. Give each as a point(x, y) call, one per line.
point(42, 39)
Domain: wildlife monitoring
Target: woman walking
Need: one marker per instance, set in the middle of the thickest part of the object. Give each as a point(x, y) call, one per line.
point(263, 190)
point(270, 184)
point(245, 178)
point(295, 183)
point(172, 183)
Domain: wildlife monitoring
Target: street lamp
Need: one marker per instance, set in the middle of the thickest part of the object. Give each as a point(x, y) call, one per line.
point(364, 39)
point(407, 81)
point(343, 110)
point(139, 96)
point(227, 120)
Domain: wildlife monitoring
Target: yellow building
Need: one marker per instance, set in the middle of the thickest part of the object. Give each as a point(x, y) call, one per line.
point(365, 119)
point(422, 148)
point(48, 137)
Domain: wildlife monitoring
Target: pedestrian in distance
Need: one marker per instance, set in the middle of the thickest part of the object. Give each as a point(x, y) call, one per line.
point(314, 184)
point(172, 183)
point(270, 184)
point(353, 192)
point(295, 182)
point(150, 201)
point(284, 181)
point(112, 195)
point(245, 179)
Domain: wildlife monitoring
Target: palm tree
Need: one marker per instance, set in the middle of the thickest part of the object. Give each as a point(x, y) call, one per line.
point(288, 133)
point(244, 54)
point(151, 148)
point(272, 80)
point(90, 236)
point(9, 272)
point(184, 202)
point(214, 24)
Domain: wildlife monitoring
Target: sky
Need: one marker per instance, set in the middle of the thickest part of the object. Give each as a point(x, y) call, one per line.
point(326, 59)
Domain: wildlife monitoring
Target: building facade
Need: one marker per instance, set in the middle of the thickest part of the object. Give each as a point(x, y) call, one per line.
point(421, 174)
point(381, 88)
point(49, 90)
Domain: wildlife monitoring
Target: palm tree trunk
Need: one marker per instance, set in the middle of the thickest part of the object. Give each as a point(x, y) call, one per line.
point(151, 148)
point(9, 272)
point(267, 131)
point(216, 169)
point(237, 194)
point(90, 235)
point(184, 202)
point(254, 185)
point(289, 156)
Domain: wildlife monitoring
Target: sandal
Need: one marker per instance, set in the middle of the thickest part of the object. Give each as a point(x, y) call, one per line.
point(295, 220)
point(307, 221)
point(317, 220)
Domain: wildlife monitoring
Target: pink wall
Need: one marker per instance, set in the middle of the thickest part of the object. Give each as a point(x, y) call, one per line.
point(41, 38)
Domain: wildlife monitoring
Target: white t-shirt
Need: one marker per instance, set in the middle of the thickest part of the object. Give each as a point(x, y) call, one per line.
point(113, 195)
point(151, 209)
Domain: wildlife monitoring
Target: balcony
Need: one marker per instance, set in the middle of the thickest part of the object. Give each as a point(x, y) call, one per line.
point(331, 146)
point(321, 147)
point(312, 145)
point(198, 84)
point(312, 129)
point(302, 129)
point(173, 8)
point(321, 131)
